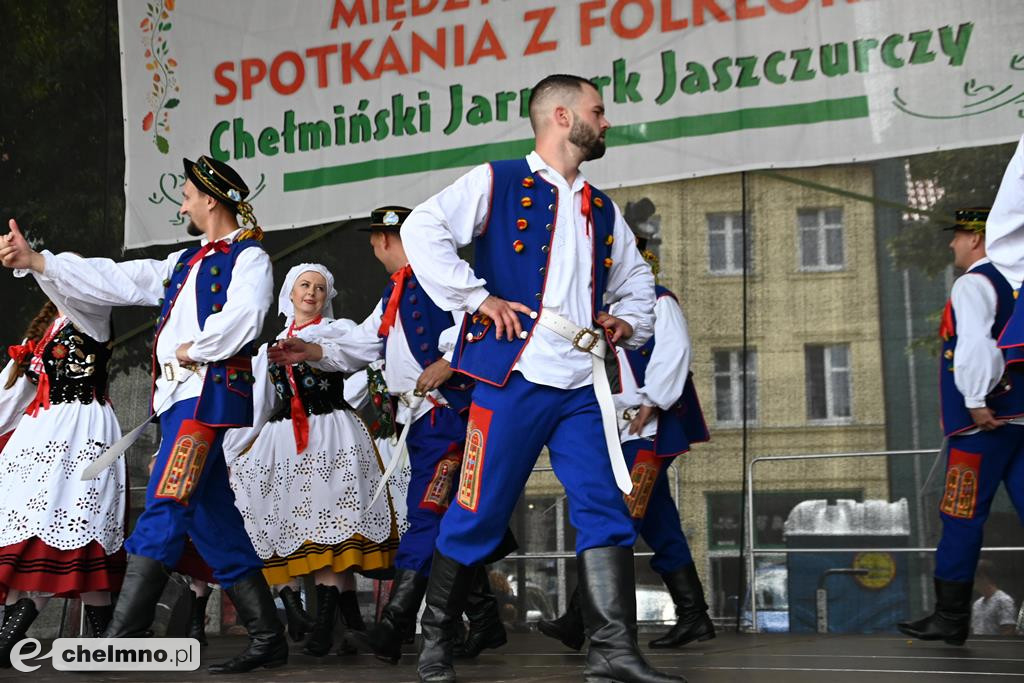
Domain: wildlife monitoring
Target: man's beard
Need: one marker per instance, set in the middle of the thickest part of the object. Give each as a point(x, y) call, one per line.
point(587, 139)
point(193, 229)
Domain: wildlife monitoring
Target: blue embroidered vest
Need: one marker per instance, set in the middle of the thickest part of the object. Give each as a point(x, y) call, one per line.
point(423, 321)
point(226, 398)
point(1007, 398)
point(512, 256)
point(682, 424)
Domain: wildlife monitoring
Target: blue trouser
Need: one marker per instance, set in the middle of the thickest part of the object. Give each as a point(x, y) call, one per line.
point(652, 508)
point(508, 426)
point(188, 495)
point(975, 466)
point(435, 450)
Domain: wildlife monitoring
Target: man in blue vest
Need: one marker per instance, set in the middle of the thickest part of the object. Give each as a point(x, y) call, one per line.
point(980, 402)
point(550, 250)
point(212, 298)
point(659, 418)
point(415, 339)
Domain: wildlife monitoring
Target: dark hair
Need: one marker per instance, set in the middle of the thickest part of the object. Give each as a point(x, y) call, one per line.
point(549, 85)
point(984, 571)
point(35, 331)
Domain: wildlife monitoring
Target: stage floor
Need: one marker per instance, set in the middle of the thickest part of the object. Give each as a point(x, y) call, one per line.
point(731, 657)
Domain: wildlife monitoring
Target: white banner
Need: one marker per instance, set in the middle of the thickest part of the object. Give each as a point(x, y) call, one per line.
point(330, 107)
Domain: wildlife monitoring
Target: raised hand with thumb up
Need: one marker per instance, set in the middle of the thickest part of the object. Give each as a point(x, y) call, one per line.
point(15, 251)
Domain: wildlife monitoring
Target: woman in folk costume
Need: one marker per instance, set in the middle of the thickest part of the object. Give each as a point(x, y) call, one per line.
point(61, 536)
point(18, 389)
point(305, 483)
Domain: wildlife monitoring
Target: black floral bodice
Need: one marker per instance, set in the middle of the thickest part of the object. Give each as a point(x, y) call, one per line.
point(320, 392)
point(76, 367)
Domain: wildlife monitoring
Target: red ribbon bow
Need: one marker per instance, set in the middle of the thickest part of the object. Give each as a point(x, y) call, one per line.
point(219, 245)
point(20, 352)
point(42, 397)
point(391, 310)
point(585, 208)
point(300, 421)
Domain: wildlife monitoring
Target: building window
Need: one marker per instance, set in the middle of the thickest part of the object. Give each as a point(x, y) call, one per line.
point(821, 239)
point(729, 378)
point(828, 382)
point(725, 235)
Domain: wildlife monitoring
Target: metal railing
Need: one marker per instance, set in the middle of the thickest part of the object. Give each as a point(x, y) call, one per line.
point(753, 551)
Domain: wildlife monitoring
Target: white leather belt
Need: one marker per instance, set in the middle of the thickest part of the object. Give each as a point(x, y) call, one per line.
point(173, 371)
point(594, 343)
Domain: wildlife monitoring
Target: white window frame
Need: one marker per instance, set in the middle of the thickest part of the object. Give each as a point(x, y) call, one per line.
point(732, 229)
point(735, 374)
point(829, 379)
point(821, 228)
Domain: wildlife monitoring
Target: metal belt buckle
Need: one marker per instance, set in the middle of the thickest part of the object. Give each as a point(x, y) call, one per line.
point(169, 372)
point(589, 345)
point(629, 413)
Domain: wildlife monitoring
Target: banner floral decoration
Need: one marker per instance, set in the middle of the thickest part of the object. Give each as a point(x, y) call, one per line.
point(164, 94)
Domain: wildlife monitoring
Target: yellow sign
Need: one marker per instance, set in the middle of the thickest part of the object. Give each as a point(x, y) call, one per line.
point(881, 569)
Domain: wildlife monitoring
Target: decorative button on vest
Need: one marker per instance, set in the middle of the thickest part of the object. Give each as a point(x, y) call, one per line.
point(609, 239)
point(410, 285)
point(521, 224)
point(215, 287)
point(528, 181)
point(217, 379)
point(413, 298)
point(167, 282)
point(598, 202)
point(518, 246)
point(551, 207)
point(545, 248)
point(608, 263)
point(416, 315)
point(178, 267)
point(215, 270)
point(216, 308)
point(548, 227)
point(526, 202)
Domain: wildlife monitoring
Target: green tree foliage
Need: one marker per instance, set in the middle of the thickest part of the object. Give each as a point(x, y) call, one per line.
point(61, 144)
point(968, 177)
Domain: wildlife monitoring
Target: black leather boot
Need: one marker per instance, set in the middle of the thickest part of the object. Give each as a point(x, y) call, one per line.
point(256, 611)
point(692, 620)
point(299, 621)
point(99, 617)
point(486, 632)
point(567, 628)
point(321, 639)
point(197, 618)
point(446, 598)
point(608, 600)
point(17, 618)
point(348, 605)
point(144, 581)
point(952, 614)
point(385, 637)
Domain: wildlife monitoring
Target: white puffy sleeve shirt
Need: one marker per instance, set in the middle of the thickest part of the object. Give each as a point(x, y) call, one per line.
point(977, 361)
point(1004, 230)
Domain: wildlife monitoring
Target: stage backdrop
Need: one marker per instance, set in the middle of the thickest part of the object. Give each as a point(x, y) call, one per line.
point(331, 107)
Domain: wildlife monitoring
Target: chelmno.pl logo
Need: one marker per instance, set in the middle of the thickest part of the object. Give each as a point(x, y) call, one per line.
point(109, 654)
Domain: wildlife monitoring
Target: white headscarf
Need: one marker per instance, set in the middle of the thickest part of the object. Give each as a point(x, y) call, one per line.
point(284, 298)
